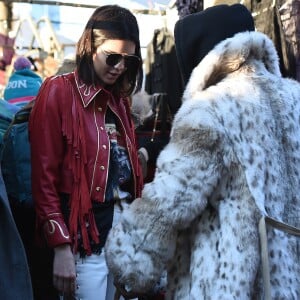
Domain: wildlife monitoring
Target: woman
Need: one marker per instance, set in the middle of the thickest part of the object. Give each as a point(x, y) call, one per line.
point(83, 151)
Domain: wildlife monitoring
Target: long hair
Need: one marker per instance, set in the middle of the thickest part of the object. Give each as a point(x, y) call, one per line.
point(109, 22)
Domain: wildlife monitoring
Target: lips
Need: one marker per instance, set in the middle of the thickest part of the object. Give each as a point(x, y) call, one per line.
point(113, 76)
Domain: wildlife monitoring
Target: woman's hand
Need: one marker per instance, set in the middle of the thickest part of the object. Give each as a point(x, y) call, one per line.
point(64, 274)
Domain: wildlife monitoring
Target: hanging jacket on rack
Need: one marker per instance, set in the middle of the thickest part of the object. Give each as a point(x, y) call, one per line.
point(270, 10)
point(282, 28)
point(290, 17)
point(161, 69)
point(187, 7)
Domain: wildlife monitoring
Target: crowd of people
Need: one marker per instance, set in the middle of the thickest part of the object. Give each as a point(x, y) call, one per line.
point(219, 217)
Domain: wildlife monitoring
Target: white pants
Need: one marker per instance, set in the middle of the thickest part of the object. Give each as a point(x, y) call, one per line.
point(94, 282)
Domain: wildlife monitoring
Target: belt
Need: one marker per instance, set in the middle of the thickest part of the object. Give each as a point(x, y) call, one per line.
point(264, 247)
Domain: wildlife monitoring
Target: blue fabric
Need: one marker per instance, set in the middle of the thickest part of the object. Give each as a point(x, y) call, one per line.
point(22, 83)
point(15, 160)
point(15, 280)
point(7, 112)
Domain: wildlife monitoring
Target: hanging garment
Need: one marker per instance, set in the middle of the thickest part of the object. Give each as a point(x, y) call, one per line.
point(281, 27)
point(269, 10)
point(162, 72)
point(153, 134)
point(290, 16)
point(187, 7)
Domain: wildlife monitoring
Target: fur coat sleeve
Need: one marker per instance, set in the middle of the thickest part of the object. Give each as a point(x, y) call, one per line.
point(144, 241)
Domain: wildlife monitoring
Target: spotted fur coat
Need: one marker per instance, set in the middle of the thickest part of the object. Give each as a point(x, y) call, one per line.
point(234, 155)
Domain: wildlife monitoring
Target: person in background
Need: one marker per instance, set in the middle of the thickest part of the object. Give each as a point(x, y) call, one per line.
point(21, 88)
point(15, 280)
point(23, 84)
point(16, 170)
point(85, 165)
point(231, 166)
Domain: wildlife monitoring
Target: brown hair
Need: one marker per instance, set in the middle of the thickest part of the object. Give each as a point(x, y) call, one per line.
point(109, 22)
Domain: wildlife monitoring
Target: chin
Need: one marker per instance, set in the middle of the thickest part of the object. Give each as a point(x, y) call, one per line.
point(109, 81)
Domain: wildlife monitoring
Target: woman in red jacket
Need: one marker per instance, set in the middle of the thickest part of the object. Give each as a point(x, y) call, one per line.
point(83, 151)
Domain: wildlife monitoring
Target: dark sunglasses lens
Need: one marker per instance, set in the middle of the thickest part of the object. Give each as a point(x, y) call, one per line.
point(131, 61)
point(113, 59)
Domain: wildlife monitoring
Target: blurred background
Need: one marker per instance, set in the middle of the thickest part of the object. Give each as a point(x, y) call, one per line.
point(47, 31)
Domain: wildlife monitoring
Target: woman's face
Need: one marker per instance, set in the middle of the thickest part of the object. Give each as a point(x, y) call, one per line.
point(109, 74)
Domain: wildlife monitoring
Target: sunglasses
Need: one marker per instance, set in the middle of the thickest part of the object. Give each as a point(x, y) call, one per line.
point(130, 61)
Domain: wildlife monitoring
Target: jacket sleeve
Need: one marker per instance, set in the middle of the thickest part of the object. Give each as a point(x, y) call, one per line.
point(47, 151)
point(188, 170)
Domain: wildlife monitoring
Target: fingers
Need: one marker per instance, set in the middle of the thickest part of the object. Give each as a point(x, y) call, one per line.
point(65, 285)
point(64, 274)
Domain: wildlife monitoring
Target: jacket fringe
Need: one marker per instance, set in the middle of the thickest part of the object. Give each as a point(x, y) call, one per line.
point(81, 218)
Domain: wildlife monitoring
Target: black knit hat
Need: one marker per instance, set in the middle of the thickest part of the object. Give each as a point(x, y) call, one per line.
point(198, 33)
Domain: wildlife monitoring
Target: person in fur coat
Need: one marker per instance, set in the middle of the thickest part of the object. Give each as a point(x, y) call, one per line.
point(233, 158)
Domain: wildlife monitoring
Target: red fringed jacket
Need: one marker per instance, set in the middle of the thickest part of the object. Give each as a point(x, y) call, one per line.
point(70, 154)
